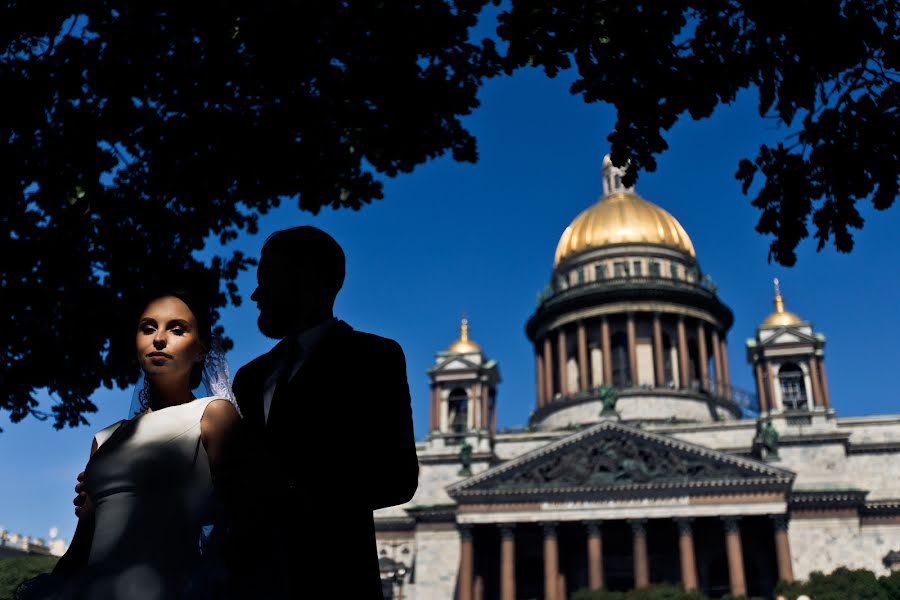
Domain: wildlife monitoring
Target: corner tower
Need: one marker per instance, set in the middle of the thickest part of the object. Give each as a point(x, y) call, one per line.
point(788, 361)
point(629, 308)
point(463, 393)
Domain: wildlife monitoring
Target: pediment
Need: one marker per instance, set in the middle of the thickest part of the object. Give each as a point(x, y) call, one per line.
point(456, 363)
point(611, 460)
point(788, 335)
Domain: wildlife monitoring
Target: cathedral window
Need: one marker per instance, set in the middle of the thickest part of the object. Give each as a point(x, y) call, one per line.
point(458, 411)
point(654, 269)
point(600, 271)
point(620, 268)
point(793, 387)
point(638, 268)
point(673, 270)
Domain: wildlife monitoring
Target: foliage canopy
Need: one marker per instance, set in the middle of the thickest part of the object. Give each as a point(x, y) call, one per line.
point(134, 133)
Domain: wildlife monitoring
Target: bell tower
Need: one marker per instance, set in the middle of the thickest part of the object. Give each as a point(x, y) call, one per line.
point(788, 361)
point(463, 394)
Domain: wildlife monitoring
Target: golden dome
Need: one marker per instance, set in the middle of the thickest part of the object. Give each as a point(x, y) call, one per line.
point(618, 218)
point(781, 316)
point(464, 345)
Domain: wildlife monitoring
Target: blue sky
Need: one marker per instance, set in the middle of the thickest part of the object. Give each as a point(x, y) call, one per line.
point(479, 239)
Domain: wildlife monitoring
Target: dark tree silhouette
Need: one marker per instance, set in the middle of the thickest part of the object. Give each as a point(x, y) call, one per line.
point(133, 132)
point(830, 68)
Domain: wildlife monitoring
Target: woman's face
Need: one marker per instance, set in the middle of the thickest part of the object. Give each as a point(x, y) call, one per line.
point(167, 341)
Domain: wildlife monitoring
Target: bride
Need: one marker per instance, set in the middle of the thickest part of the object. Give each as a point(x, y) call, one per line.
point(151, 481)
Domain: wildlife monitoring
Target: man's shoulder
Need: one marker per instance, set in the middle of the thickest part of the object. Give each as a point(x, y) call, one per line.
point(370, 341)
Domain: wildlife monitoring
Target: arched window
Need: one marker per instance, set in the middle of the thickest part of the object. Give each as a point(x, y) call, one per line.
point(793, 387)
point(620, 367)
point(459, 410)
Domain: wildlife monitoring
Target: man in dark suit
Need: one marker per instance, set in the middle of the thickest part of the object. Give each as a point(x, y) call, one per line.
point(328, 433)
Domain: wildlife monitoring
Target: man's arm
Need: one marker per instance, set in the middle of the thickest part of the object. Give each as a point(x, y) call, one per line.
point(398, 465)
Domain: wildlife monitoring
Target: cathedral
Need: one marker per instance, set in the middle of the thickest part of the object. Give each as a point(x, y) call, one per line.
point(640, 463)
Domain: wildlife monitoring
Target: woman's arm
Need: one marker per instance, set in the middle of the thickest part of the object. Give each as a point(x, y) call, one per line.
point(219, 428)
point(76, 555)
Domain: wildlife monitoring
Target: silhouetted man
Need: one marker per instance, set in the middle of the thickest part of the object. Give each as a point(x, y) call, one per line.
point(329, 433)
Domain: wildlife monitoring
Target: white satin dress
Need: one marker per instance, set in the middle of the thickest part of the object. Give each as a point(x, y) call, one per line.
point(152, 491)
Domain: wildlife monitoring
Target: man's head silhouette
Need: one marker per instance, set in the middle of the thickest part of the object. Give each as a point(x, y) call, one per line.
point(300, 272)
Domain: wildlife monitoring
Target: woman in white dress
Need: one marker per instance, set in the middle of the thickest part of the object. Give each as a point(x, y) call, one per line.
point(151, 480)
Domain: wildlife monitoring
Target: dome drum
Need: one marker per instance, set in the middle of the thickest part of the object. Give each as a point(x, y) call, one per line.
point(634, 405)
point(674, 357)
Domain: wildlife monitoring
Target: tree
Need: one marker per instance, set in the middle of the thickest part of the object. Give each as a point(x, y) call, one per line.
point(841, 584)
point(830, 68)
point(15, 571)
point(133, 132)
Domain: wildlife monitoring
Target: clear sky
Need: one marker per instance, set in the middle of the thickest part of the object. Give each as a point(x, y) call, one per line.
point(479, 239)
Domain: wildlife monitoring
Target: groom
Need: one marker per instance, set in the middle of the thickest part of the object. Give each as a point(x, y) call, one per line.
point(328, 433)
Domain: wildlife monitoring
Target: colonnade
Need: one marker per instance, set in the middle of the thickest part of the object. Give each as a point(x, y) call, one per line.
point(471, 585)
point(690, 370)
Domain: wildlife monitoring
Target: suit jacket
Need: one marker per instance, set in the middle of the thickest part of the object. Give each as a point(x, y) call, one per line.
point(337, 446)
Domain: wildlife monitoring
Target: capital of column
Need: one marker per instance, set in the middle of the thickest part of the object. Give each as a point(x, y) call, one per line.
point(549, 529)
point(593, 527)
point(684, 525)
point(507, 530)
point(780, 522)
point(638, 526)
point(465, 530)
point(731, 524)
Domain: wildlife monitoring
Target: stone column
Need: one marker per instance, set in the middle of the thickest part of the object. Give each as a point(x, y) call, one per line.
point(606, 343)
point(735, 556)
point(507, 562)
point(717, 360)
point(435, 408)
point(485, 405)
point(466, 564)
point(659, 371)
point(770, 386)
point(783, 548)
point(562, 359)
point(445, 412)
point(561, 587)
point(760, 389)
point(826, 399)
point(548, 371)
point(726, 375)
point(702, 356)
point(641, 561)
point(632, 349)
point(539, 369)
point(595, 555)
point(551, 562)
point(814, 379)
point(683, 356)
point(583, 366)
point(686, 554)
point(478, 592)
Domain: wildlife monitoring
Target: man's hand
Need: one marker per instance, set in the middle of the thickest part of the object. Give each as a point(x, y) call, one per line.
point(80, 495)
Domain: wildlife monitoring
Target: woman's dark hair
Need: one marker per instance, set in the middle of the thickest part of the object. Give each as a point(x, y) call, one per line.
point(202, 313)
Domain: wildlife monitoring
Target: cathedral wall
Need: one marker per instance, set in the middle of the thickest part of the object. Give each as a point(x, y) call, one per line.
point(635, 408)
point(826, 544)
point(878, 473)
point(437, 560)
point(507, 450)
point(434, 479)
point(871, 429)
